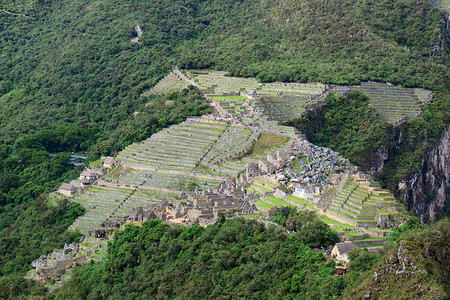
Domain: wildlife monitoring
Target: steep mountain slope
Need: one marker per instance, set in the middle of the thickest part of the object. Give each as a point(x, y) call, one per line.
point(72, 64)
point(74, 59)
point(415, 269)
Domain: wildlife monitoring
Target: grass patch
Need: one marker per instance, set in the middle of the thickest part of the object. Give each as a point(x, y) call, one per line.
point(116, 172)
point(52, 198)
point(350, 234)
point(96, 163)
point(252, 189)
point(278, 201)
point(371, 239)
point(259, 181)
point(263, 204)
point(337, 223)
point(228, 98)
point(267, 141)
point(263, 188)
point(302, 201)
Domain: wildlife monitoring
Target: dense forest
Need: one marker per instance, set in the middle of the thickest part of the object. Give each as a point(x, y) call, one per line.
point(242, 258)
point(237, 258)
point(71, 80)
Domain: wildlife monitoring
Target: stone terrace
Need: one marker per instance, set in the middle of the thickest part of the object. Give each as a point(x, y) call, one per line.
point(234, 142)
point(361, 204)
point(106, 202)
point(100, 203)
point(161, 180)
point(216, 83)
point(393, 104)
point(170, 83)
point(178, 148)
point(281, 101)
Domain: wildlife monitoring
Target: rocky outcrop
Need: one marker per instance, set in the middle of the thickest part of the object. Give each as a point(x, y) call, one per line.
point(426, 192)
point(417, 269)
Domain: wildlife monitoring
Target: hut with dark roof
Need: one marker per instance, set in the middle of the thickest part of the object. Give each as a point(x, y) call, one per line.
point(67, 189)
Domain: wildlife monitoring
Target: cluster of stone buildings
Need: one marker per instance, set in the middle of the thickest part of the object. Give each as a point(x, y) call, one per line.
point(55, 267)
point(136, 215)
point(230, 197)
point(87, 177)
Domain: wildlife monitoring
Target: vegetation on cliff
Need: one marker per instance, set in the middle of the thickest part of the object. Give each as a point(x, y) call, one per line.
point(417, 268)
point(237, 258)
point(348, 125)
point(71, 81)
point(243, 259)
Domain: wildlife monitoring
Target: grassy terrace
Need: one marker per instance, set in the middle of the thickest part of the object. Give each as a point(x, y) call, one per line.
point(260, 181)
point(278, 201)
point(327, 220)
point(393, 103)
point(264, 205)
point(251, 189)
point(261, 187)
point(301, 201)
point(268, 141)
point(228, 98)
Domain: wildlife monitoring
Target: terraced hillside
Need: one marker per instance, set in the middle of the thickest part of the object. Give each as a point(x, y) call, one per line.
point(216, 83)
point(282, 101)
point(105, 202)
point(202, 152)
point(171, 83)
point(393, 104)
point(360, 203)
point(279, 100)
point(198, 152)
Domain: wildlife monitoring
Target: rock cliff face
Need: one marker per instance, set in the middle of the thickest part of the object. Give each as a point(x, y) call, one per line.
point(426, 192)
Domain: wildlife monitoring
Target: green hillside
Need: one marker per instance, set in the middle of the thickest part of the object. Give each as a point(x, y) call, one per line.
point(71, 80)
point(73, 62)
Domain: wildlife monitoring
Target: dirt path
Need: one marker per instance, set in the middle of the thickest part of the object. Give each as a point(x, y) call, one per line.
point(180, 74)
point(14, 14)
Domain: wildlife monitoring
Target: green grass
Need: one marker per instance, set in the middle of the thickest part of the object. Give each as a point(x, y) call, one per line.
point(96, 163)
point(278, 201)
point(267, 141)
point(258, 181)
point(379, 246)
point(351, 234)
point(53, 197)
point(371, 239)
point(252, 189)
point(207, 170)
point(337, 223)
point(263, 204)
point(228, 98)
point(263, 188)
point(210, 128)
point(116, 172)
point(302, 201)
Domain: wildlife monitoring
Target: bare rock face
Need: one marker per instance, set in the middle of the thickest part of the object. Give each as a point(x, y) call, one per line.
point(384, 222)
point(426, 191)
point(139, 33)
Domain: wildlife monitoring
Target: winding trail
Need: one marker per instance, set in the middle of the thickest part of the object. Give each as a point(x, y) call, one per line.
point(13, 14)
